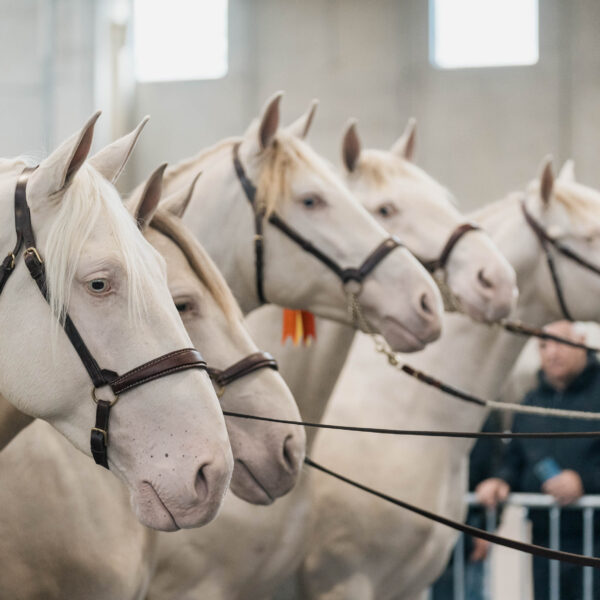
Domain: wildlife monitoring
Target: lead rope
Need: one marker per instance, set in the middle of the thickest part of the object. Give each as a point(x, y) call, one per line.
point(382, 347)
point(577, 559)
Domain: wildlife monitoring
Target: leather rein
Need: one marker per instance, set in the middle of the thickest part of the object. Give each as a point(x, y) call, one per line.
point(346, 275)
point(172, 362)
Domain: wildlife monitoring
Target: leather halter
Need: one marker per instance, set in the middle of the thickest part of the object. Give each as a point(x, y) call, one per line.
point(547, 241)
point(245, 366)
point(455, 237)
point(345, 274)
point(172, 362)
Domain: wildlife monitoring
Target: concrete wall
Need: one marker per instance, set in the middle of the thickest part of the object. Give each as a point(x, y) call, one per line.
point(482, 132)
point(46, 79)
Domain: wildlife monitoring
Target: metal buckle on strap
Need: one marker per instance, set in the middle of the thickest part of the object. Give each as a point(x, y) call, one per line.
point(104, 434)
point(33, 250)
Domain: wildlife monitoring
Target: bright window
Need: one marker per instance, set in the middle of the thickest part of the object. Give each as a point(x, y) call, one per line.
point(483, 33)
point(180, 39)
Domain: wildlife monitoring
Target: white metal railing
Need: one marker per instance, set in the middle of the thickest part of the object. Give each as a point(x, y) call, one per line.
point(587, 504)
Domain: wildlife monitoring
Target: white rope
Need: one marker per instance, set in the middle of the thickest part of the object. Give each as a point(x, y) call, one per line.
point(541, 410)
point(382, 347)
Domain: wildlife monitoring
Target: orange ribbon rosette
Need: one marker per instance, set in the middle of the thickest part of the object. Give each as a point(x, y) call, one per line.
point(299, 325)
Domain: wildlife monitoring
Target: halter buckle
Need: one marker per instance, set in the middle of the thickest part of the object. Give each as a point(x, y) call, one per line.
point(104, 434)
point(96, 399)
point(12, 260)
point(33, 250)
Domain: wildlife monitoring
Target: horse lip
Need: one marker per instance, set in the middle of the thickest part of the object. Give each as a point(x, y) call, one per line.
point(157, 495)
point(256, 481)
point(413, 338)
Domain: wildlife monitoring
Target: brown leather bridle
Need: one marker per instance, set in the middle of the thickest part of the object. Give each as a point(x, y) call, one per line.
point(345, 274)
point(247, 365)
point(172, 362)
point(546, 242)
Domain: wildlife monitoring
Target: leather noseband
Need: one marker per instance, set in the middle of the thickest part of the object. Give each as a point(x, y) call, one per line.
point(173, 362)
point(455, 237)
point(248, 364)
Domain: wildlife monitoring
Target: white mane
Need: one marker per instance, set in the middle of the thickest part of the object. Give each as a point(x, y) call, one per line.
point(88, 198)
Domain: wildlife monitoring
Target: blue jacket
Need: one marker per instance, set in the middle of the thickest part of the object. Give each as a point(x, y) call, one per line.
point(580, 455)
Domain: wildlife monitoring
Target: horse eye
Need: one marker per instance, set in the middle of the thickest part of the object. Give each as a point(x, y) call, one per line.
point(182, 306)
point(312, 202)
point(386, 210)
point(98, 286)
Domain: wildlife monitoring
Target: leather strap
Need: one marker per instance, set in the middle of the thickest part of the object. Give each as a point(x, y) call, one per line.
point(249, 364)
point(345, 274)
point(99, 434)
point(173, 362)
point(455, 236)
point(577, 559)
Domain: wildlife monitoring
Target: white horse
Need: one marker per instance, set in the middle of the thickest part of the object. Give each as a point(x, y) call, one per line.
point(87, 542)
point(398, 297)
point(114, 287)
point(252, 549)
point(364, 548)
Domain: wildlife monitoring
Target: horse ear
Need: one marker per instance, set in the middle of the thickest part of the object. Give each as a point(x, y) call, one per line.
point(567, 173)
point(144, 207)
point(111, 160)
point(301, 126)
point(546, 180)
point(269, 121)
point(404, 147)
point(177, 202)
point(350, 146)
point(57, 171)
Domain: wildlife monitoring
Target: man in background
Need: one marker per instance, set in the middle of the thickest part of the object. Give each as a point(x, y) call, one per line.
point(564, 468)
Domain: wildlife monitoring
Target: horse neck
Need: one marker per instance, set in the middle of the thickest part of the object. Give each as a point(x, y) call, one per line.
point(8, 181)
point(478, 357)
point(219, 215)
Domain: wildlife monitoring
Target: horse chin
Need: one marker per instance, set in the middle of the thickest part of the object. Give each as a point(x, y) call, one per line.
point(246, 486)
point(483, 311)
point(151, 510)
point(399, 337)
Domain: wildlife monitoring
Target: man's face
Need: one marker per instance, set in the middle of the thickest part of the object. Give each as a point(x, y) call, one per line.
point(562, 363)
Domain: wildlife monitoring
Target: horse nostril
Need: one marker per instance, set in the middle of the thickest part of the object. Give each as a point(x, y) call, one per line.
point(292, 453)
point(201, 484)
point(483, 280)
point(425, 305)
